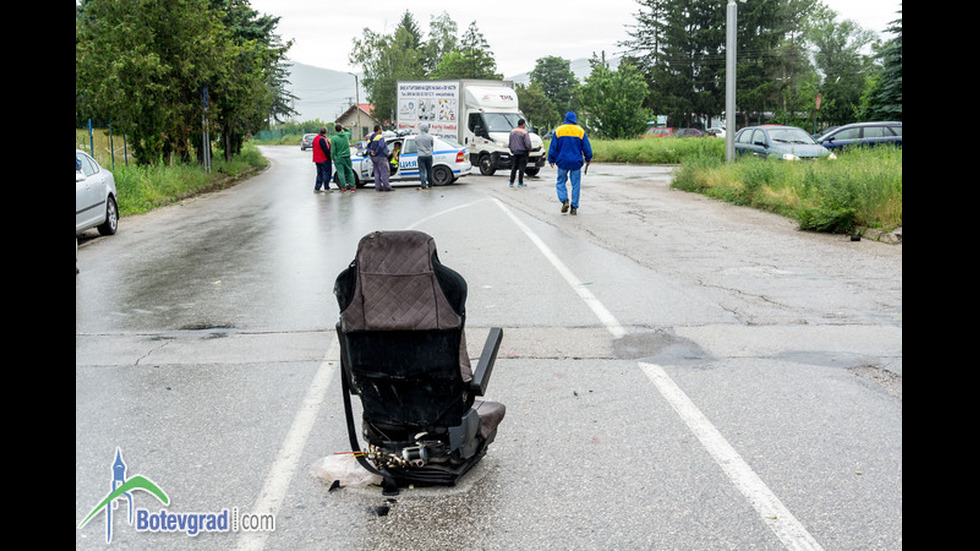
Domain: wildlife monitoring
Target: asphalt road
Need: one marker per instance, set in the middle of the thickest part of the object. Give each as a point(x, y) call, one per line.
point(679, 373)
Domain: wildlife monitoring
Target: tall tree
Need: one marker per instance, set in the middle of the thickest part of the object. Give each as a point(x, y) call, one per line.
point(537, 107)
point(555, 77)
point(386, 59)
point(680, 46)
point(610, 98)
point(473, 58)
point(145, 66)
point(840, 55)
point(442, 40)
point(250, 87)
point(795, 80)
point(884, 96)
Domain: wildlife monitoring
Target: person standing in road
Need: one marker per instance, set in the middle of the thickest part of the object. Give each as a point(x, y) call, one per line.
point(378, 150)
point(340, 153)
point(321, 157)
point(570, 149)
point(425, 144)
point(520, 146)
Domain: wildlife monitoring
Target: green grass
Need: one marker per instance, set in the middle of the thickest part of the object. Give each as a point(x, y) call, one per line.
point(861, 188)
point(143, 188)
point(657, 150)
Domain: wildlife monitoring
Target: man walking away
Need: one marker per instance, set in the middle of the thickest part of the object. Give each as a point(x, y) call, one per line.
point(569, 149)
point(378, 150)
point(520, 146)
point(321, 156)
point(424, 143)
point(340, 153)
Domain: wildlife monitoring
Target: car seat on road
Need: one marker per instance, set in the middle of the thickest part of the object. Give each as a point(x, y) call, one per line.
point(403, 352)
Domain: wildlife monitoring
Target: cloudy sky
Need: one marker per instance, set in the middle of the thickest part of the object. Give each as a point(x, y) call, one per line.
point(519, 32)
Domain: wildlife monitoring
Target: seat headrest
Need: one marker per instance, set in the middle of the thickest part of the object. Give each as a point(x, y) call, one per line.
point(396, 285)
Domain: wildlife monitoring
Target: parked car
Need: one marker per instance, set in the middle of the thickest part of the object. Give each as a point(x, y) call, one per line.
point(450, 161)
point(95, 196)
point(689, 133)
point(778, 142)
point(717, 131)
point(306, 142)
point(827, 130)
point(659, 131)
point(862, 134)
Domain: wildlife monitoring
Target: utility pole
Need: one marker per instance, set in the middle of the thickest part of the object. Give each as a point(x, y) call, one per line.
point(732, 23)
point(357, 106)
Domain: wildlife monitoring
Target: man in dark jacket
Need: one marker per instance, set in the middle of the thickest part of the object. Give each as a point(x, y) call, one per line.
point(520, 146)
point(570, 149)
point(321, 156)
point(378, 150)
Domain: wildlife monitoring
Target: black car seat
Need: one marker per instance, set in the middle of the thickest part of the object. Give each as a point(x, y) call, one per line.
point(403, 351)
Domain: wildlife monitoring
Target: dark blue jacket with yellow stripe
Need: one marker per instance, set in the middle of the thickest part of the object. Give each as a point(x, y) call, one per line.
point(377, 146)
point(570, 147)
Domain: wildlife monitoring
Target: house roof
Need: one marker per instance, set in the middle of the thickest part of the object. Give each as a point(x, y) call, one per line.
point(365, 108)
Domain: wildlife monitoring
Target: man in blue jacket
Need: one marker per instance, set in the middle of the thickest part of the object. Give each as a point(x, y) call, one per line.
point(570, 149)
point(378, 150)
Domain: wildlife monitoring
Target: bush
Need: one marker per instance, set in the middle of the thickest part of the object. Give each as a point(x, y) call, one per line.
point(657, 150)
point(863, 187)
point(142, 188)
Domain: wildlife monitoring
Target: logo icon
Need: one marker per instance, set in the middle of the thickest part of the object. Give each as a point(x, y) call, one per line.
point(123, 488)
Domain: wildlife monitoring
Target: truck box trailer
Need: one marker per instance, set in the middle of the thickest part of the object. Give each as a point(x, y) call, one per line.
point(478, 114)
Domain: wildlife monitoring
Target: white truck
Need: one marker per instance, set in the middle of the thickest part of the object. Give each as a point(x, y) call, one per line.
point(478, 114)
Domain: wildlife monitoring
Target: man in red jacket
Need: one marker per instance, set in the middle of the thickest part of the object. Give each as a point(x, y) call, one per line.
point(321, 156)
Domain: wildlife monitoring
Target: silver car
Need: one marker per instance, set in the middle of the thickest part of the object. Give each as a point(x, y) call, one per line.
point(778, 142)
point(95, 196)
point(306, 142)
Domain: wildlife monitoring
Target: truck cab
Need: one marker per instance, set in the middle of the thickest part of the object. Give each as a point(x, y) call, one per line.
point(489, 134)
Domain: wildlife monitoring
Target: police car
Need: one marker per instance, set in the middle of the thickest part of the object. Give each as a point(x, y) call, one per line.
point(450, 161)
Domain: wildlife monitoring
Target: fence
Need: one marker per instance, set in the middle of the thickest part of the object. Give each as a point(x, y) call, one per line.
point(107, 148)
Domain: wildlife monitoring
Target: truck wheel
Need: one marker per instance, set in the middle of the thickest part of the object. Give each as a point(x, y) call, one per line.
point(532, 170)
point(486, 165)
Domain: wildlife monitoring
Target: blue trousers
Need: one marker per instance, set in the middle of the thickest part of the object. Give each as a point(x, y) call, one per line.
point(564, 176)
point(323, 174)
point(425, 171)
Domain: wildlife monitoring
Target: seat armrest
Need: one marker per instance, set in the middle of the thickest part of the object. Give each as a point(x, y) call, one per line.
point(481, 376)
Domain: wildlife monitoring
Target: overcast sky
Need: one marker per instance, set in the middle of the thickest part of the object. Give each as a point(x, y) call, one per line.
point(519, 31)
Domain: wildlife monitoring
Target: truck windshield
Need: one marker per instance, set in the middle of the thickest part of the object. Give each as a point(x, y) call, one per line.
point(501, 122)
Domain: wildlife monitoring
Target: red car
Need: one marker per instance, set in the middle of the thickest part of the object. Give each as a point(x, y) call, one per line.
point(660, 132)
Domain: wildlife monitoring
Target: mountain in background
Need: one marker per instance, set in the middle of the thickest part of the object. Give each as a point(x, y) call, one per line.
point(325, 94)
point(322, 93)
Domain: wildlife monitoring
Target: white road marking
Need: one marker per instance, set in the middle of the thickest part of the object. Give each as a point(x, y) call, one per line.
point(281, 473)
point(773, 513)
point(604, 315)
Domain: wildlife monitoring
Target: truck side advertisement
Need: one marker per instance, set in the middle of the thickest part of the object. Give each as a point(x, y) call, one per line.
point(434, 103)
